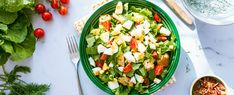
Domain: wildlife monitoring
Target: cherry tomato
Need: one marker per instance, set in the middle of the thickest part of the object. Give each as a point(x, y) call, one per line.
point(63, 10)
point(40, 8)
point(133, 43)
point(158, 69)
point(39, 33)
point(157, 18)
point(155, 54)
point(103, 57)
point(54, 4)
point(46, 16)
point(106, 25)
point(127, 68)
point(99, 63)
point(65, 1)
point(162, 38)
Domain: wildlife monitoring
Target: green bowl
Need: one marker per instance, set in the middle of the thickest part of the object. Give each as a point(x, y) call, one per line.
point(109, 8)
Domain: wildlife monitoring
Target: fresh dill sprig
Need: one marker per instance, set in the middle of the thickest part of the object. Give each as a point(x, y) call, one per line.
point(13, 85)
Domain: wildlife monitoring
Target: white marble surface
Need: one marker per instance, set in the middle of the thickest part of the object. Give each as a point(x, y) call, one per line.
point(206, 50)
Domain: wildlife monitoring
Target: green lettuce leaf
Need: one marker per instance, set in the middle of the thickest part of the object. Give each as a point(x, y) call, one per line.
point(17, 31)
point(17, 5)
point(3, 57)
point(7, 17)
point(7, 46)
point(26, 48)
point(3, 28)
point(90, 40)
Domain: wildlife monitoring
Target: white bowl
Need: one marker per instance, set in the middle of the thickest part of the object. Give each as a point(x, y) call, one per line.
point(213, 76)
point(221, 19)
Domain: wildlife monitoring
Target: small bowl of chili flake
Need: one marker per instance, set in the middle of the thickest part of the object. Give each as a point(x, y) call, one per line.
point(208, 85)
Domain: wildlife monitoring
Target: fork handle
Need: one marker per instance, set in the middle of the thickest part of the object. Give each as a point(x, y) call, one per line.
point(79, 85)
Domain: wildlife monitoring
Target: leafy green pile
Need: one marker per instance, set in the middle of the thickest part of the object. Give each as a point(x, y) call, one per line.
point(17, 42)
point(16, 30)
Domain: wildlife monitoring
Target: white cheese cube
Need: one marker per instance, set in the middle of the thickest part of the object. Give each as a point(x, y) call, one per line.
point(105, 36)
point(112, 50)
point(91, 61)
point(119, 8)
point(141, 47)
point(96, 70)
point(113, 84)
point(164, 31)
point(101, 48)
point(139, 78)
point(128, 24)
point(152, 38)
point(129, 56)
point(133, 80)
point(157, 81)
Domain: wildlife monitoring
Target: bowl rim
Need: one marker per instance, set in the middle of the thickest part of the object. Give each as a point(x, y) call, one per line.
point(174, 59)
point(227, 21)
point(209, 75)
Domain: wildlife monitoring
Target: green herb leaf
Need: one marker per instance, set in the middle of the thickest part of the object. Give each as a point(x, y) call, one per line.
point(7, 46)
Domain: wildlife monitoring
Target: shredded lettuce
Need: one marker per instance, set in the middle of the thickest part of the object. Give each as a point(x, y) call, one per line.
point(90, 40)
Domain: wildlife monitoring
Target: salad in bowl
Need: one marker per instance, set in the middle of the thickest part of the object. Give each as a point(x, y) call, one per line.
point(130, 49)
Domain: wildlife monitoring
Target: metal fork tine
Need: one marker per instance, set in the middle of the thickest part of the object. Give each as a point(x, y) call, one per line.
point(72, 45)
point(68, 45)
point(75, 43)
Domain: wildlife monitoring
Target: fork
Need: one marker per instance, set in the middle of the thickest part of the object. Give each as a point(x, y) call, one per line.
point(75, 57)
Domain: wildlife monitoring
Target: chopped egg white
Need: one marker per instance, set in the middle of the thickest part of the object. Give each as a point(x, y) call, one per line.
point(152, 46)
point(128, 24)
point(141, 47)
point(101, 71)
point(148, 65)
point(119, 8)
point(91, 61)
point(138, 18)
point(119, 18)
point(121, 69)
point(113, 84)
point(133, 80)
point(126, 38)
point(139, 78)
point(157, 81)
point(101, 48)
point(146, 31)
point(105, 36)
point(152, 38)
point(104, 18)
point(165, 31)
point(112, 50)
point(111, 65)
point(117, 29)
point(96, 70)
point(138, 55)
point(146, 24)
point(129, 56)
point(119, 40)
